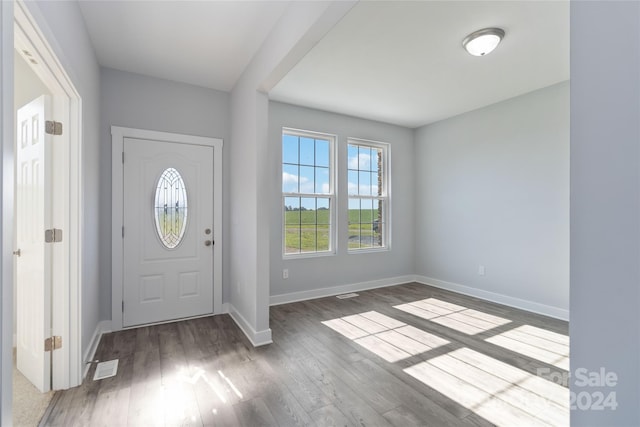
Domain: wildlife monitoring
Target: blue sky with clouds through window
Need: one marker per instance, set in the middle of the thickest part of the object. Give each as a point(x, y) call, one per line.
point(305, 169)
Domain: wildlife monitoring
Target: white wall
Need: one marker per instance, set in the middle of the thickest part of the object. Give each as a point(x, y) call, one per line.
point(63, 26)
point(492, 189)
point(27, 87)
point(605, 203)
point(137, 101)
point(311, 276)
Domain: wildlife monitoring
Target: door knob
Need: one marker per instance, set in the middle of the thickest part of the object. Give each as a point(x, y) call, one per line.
point(17, 253)
point(207, 242)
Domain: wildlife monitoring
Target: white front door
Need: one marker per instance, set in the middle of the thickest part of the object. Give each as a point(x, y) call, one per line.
point(33, 261)
point(168, 244)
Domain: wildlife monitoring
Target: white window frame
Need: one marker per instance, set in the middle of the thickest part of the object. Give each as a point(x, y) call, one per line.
point(385, 197)
point(333, 140)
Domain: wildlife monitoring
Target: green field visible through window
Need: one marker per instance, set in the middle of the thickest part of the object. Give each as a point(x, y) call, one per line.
point(307, 230)
point(367, 187)
point(308, 192)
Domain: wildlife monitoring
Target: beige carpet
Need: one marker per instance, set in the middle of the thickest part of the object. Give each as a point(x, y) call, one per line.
point(29, 405)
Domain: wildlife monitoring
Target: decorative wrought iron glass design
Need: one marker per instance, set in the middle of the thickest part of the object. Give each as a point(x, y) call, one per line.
point(171, 208)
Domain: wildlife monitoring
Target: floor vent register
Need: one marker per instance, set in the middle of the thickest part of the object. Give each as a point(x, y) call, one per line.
point(345, 296)
point(106, 370)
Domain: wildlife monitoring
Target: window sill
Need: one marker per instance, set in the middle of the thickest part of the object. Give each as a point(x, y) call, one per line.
point(368, 250)
point(288, 257)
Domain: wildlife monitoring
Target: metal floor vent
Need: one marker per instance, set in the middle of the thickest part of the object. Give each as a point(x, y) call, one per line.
point(351, 295)
point(106, 370)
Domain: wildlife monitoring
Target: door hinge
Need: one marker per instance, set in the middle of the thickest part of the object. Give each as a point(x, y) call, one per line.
point(53, 128)
point(53, 235)
point(123, 306)
point(123, 157)
point(123, 231)
point(52, 343)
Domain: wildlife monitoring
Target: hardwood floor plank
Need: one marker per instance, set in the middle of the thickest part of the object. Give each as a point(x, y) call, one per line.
point(297, 382)
point(529, 350)
point(496, 320)
point(417, 311)
point(402, 417)
point(285, 408)
point(146, 398)
point(536, 341)
point(111, 408)
point(331, 416)
point(254, 412)
point(147, 338)
point(456, 324)
point(463, 317)
point(343, 396)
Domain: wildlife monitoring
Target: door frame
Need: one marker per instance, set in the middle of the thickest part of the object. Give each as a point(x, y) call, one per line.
point(68, 367)
point(118, 135)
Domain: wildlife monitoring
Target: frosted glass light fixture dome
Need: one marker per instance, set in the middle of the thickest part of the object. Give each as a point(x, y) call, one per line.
point(482, 42)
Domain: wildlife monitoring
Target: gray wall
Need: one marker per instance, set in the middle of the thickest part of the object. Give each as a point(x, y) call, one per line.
point(605, 206)
point(6, 213)
point(309, 274)
point(492, 189)
point(137, 101)
point(63, 26)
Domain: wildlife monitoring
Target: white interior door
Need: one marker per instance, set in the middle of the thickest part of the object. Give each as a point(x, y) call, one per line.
point(168, 231)
point(33, 262)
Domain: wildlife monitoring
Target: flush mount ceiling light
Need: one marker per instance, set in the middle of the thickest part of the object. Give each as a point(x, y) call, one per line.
point(481, 42)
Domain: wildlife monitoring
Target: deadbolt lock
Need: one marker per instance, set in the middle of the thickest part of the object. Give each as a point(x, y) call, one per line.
point(207, 231)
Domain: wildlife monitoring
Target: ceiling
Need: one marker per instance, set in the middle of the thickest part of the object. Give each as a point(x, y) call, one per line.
point(205, 43)
point(393, 61)
point(403, 62)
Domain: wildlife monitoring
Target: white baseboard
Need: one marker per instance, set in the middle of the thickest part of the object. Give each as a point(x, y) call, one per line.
point(102, 327)
point(337, 290)
point(257, 338)
point(547, 310)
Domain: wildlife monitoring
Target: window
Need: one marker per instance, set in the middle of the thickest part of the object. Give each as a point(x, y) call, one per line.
point(367, 169)
point(307, 192)
point(170, 208)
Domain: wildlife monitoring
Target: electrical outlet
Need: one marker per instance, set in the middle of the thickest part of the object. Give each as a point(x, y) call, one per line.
point(285, 273)
point(481, 270)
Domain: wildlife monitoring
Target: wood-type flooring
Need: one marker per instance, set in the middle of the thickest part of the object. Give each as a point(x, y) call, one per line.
point(403, 355)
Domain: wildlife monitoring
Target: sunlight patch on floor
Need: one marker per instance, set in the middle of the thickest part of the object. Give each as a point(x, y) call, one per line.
point(537, 343)
point(457, 317)
point(385, 336)
point(498, 392)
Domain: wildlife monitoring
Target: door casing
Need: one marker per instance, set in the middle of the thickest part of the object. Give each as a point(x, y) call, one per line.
point(118, 135)
point(68, 366)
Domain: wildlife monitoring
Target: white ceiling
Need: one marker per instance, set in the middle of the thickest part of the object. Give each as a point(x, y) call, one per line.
point(392, 61)
point(205, 43)
point(403, 62)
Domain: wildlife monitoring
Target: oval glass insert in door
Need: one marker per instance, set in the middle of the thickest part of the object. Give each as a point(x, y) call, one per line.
point(171, 208)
